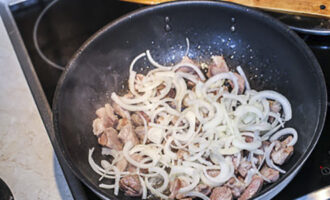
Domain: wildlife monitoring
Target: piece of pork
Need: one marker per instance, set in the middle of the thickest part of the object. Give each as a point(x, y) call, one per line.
point(275, 106)
point(244, 167)
point(137, 120)
point(98, 126)
point(204, 189)
point(120, 111)
point(254, 186)
point(271, 174)
point(109, 138)
point(122, 164)
point(140, 132)
point(131, 185)
point(127, 134)
point(107, 115)
point(221, 193)
point(180, 154)
point(146, 117)
point(236, 186)
point(121, 123)
point(218, 66)
point(213, 172)
point(282, 152)
point(175, 186)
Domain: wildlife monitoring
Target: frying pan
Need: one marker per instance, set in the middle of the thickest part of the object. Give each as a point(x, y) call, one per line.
point(272, 56)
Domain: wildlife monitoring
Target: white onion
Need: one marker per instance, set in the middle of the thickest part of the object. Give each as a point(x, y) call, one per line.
point(197, 194)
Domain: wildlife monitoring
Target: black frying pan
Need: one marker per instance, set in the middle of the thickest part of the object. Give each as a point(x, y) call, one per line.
point(272, 56)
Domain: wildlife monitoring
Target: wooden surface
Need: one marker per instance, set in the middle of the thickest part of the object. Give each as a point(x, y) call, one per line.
point(320, 8)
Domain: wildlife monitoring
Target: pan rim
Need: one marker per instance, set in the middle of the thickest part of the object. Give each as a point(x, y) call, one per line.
point(283, 29)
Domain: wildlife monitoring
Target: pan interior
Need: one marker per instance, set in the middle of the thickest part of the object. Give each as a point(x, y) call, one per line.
point(268, 53)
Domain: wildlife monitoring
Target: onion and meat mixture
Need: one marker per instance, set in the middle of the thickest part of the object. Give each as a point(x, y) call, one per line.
point(183, 132)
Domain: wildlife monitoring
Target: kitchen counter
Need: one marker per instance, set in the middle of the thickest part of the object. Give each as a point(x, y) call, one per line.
point(27, 160)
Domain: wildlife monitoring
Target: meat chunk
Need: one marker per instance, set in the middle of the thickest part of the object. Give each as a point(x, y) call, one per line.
point(127, 134)
point(240, 82)
point(244, 167)
point(275, 106)
point(146, 117)
point(175, 186)
point(213, 172)
point(120, 111)
point(252, 188)
point(121, 123)
point(140, 132)
point(137, 120)
point(204, 189)
point(218, 66)
point(110, 139)
point(180, 153)
point(236, 186)
point(122, 164)
point(270, 174)
point(98, 126)
point(107, 115)
point(131, 185)
point(282, 152)
point(221, 193)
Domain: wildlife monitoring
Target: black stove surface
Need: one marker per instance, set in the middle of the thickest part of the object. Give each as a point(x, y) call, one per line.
point(67, 24)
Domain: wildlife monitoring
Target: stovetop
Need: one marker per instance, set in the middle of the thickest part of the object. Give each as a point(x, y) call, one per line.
point(68, 23)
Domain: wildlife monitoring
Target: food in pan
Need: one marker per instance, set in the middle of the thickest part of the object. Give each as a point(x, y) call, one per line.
point(192, 130)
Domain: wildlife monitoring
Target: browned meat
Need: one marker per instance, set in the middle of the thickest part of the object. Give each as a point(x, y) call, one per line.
point(146, 117)
point(282, 152)
point(136, 119)
point(213, 172)
point(275, 106)
point(127, 134)
point(248, 139)
point(218, 66)
point(236, 186)
point(252, 188)
point(241, 83)
point(131, 185)
point(110, 139)
point(204, 189)
point(107, 115)
point(244, 167)
point(129, 95)
point(121, 123)
point(98, 126)
point(221, 193)
point(270, 174)
point(122, 164)
point(120, 111)
point(139, 77)
point(171, 93)
point(180, 153)
point(175, 186)
point(140, 132)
